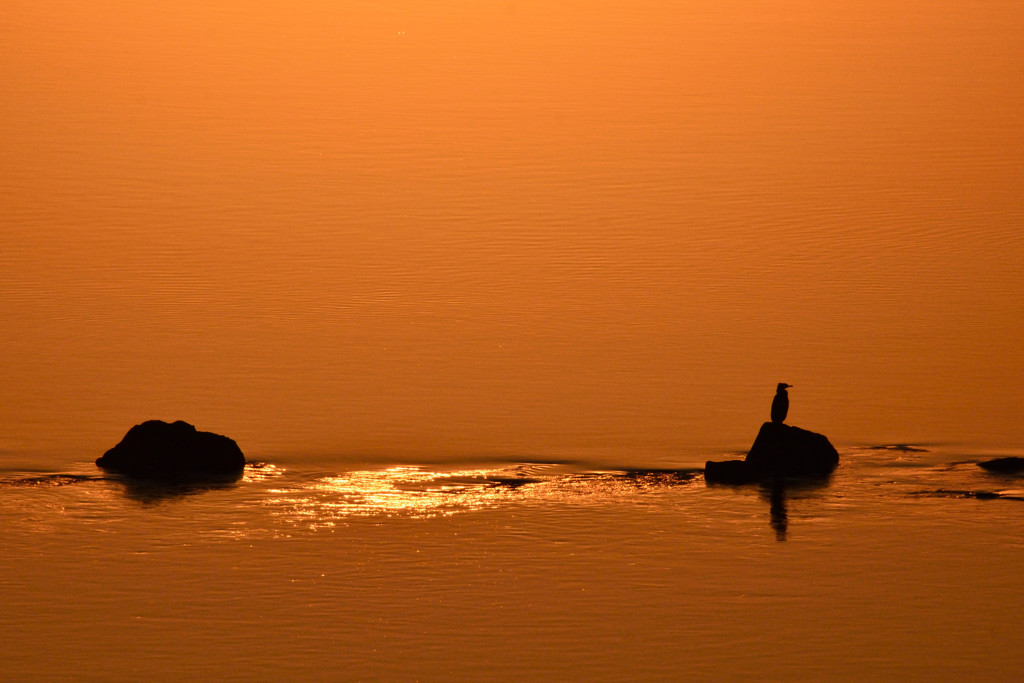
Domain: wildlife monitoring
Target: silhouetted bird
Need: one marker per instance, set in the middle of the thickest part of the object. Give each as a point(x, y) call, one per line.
point(780, 405)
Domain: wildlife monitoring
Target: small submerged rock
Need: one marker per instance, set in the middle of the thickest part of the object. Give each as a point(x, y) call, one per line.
point(961, 493)
point(778, 451)
point(174, 452)
point(899, 448)
point(1011, 465)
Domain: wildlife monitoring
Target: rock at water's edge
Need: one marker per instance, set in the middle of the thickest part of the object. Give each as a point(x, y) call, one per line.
point(778, 451)
point(1011, 465)
point(728, 472)
point(174, 451)
point(780, 448)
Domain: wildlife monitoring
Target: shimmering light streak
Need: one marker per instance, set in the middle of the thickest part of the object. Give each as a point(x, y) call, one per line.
point(415, 491)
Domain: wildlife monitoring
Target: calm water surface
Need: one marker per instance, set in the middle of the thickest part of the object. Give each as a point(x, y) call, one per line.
point(462, 279)
point(902, 566)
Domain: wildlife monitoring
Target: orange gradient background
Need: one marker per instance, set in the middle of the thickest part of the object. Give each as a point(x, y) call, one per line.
point(528, 227)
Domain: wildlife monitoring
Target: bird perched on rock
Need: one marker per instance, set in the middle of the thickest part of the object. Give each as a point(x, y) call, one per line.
point(780, 404)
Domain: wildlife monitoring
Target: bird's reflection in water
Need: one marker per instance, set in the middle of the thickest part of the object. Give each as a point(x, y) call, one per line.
point(778, 491)
point(776, 494)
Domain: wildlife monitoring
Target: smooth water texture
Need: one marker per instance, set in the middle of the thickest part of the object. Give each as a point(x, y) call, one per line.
point(903, 566)
point(467, 282)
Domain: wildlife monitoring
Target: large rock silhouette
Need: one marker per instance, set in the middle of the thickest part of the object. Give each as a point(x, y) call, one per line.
point(174, 452)
point(779, 451)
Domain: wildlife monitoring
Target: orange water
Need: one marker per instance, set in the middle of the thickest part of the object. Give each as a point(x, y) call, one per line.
point(361, 235)
point(511, 226)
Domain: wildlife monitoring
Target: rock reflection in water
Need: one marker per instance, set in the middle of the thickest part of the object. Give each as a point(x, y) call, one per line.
point(155, 491)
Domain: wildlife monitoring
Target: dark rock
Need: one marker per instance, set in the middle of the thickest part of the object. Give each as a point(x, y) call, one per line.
point(174, 452)
point(729, 472)
point(789, 451)
point(778, 451)
point(1010, 465)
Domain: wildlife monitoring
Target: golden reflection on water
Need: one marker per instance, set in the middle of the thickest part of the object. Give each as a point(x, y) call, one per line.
point(422, 492)
point(410, 491)
point(261, 471)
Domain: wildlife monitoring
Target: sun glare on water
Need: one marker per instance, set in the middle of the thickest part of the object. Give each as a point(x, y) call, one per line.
point(401, 490)
point(422, 492)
